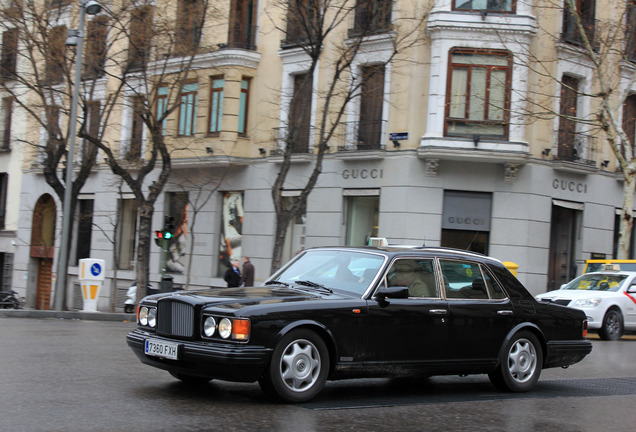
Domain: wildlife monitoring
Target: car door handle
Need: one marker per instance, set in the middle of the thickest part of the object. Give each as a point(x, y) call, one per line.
point(505, 312)
point(438, 311)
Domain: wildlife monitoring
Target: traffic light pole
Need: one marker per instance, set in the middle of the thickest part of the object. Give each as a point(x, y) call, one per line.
point(164, 256)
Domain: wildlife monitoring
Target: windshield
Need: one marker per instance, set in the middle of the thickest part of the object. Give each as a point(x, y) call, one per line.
point(596, 282)
point(335, 269)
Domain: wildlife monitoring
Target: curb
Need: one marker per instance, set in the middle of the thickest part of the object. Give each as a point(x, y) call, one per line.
point(73, 315)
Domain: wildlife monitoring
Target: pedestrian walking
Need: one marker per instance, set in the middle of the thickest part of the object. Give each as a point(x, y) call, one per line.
point(233, 275)
point(248, 272)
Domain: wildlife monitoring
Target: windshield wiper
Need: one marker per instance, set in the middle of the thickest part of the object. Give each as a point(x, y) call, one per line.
point(311, 284)
point(274, 282)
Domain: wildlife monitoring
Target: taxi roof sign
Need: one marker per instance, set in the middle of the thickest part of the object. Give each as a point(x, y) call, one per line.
point(378, 241)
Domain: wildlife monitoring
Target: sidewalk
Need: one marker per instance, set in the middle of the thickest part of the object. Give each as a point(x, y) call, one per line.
point(76, 315)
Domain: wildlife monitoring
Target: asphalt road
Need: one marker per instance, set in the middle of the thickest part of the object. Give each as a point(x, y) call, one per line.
point(76, 375)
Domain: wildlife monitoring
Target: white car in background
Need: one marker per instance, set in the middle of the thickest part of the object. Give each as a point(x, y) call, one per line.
point(608, 298)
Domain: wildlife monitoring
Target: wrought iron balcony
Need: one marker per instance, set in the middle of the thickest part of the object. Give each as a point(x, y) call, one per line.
point(364, 135)
point(576, 147)
point(371, 17)
point(242, 36)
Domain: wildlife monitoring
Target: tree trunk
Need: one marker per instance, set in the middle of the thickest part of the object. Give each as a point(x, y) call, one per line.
point(282, 222)
point(625, 232)
point(143, 251)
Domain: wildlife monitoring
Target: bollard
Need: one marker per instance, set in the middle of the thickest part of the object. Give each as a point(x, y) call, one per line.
point(513, 267)
point(91, 278)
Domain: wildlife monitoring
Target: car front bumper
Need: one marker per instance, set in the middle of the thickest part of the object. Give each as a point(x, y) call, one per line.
point(242, 363)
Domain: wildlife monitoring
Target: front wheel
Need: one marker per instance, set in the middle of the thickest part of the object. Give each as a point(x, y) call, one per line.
point(612, 328)
point(520, 365)
point(298, 368)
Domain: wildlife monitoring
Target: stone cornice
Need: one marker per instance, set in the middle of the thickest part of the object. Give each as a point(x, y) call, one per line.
point(212, 59)
point(445, 21)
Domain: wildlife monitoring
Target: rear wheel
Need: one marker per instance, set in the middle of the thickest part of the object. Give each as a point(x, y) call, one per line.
point(612, 328)
point(298, 368)
point(520, 365)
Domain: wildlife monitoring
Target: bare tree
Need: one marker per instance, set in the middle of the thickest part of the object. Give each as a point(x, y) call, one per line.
point(329, 82)
point(153, 57)
point(602, 46)
point(137, 60)
point(37, 74)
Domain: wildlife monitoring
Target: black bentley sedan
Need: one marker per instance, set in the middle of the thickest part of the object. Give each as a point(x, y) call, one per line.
point(343, 312)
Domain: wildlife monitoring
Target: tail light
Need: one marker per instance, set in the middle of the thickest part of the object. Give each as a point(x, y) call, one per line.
point(585, 328)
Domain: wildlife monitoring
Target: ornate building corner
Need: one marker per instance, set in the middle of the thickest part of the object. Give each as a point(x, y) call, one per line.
point(432, 166)
point(511, 171)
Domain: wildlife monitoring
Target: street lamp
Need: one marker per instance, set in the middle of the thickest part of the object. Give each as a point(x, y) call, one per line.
point(74, 38)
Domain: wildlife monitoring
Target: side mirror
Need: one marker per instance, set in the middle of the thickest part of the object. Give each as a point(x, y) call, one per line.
point(632, 289)
point(393, 292)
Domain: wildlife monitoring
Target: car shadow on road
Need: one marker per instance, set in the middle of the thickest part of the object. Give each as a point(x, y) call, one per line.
point(436, 390)
point(366, 393)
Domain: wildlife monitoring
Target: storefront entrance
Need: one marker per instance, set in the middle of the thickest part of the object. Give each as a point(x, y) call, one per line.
point(42, 248)
point(564, 228)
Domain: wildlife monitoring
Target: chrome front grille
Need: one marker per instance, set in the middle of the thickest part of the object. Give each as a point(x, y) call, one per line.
point(175, 319)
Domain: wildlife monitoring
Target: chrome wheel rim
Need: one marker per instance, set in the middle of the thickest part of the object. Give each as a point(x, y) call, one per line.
point(612, 324)
point(522, 360)
point(300, 365)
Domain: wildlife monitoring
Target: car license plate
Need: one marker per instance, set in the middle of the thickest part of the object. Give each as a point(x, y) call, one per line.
point(157, 348)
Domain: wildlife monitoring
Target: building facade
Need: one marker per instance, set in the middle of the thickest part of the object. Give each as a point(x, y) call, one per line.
point(437, 144)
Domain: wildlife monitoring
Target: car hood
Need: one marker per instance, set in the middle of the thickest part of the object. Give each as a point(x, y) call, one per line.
point(236, 298)
point(576, 294)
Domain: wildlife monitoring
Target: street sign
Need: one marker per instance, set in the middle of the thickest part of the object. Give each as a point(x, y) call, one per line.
point(398, 136)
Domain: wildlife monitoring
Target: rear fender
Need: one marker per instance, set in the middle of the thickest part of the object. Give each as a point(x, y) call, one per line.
point(516, 329)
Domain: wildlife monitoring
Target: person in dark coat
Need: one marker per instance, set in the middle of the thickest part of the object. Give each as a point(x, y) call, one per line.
point(233, 275)
point(248, 272)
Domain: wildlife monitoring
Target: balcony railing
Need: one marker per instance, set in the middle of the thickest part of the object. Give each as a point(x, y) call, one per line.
point(577, 147)
point(371, 17)
point(355, 136)
point(242, 36)
point(281, 136)
point(362, 135)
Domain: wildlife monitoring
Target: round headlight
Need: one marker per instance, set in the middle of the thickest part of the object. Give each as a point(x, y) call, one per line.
point(152, 317)
point(143, 316)
point(209, 326)
point(225, 328)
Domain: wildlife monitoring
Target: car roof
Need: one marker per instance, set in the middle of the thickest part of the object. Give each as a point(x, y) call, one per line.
point(611, 272)
point(393, 251)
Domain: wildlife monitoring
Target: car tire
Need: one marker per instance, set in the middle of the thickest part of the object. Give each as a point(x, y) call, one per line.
point(190, 379)
point(520, 364)
point(298, 368)
point(612, 327)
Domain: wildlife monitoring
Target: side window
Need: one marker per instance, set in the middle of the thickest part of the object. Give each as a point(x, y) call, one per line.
point(416, 274)
point(494, 288)
point(463, 280)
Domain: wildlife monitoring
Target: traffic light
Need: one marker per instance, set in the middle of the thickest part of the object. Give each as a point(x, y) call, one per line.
point(158, 237)
point(168, 227)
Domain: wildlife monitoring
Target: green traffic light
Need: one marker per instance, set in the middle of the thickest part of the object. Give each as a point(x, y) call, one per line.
point(167, 235)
